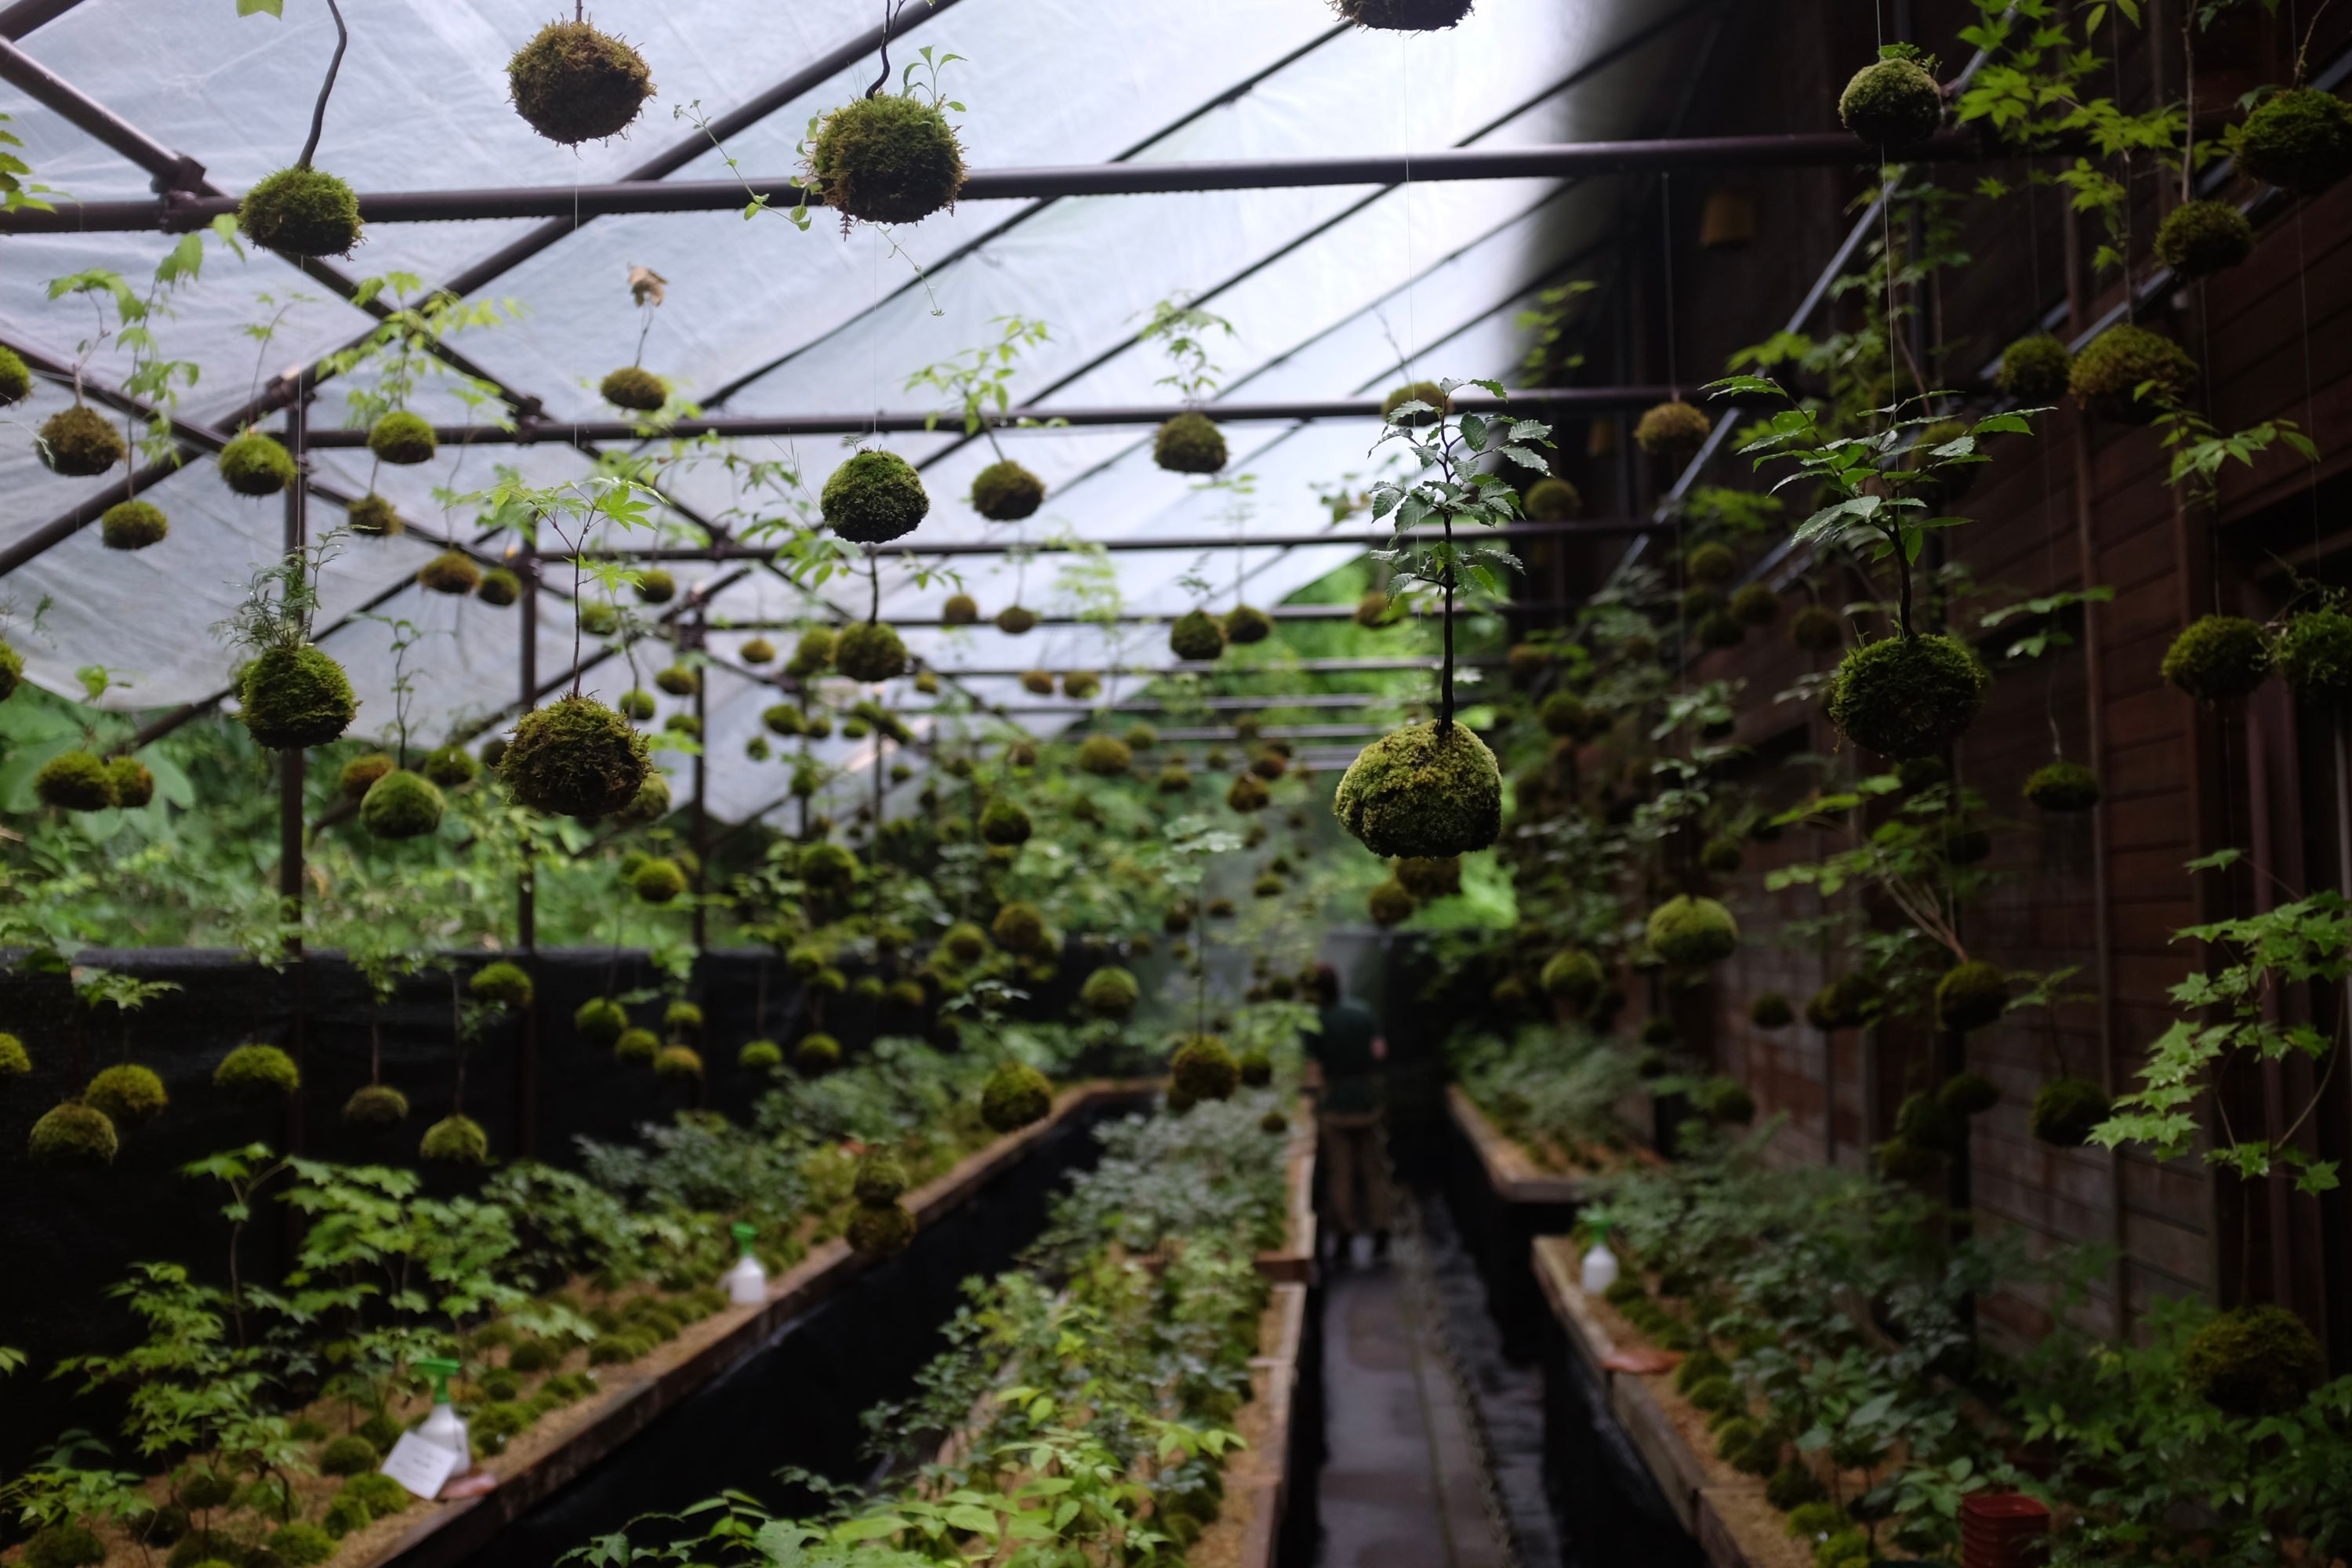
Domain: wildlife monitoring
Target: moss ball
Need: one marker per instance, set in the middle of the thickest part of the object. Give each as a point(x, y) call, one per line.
point(401, 804)
point(1105, 756)
point(1907, 697)
point(403, 439)
point(2197, 239)
point(66, 1544)
point(575, 758)
point(1110, 991)
point(303, 212)
point(600, 1021)
point(1753, 604)
point(2218, 658)
point(499, 588)
point(658, 882)
point(880, 1231)
point(449, 573)
point(2299, 139)
point(1574, 977)
point(760, 1055)
point(1421, 790)
point(1968, 1094)
point(1014, 621)
point(1373, 610)
point(2062, 786)
point(16, 378)
point(817, 1053)
point(349, 1455)
point(1388, 904)
point(75, 780)
point(1019, 928)
point(655, 586)
point(12, 670)
point(132, 525)
point(678, 1063)
point(505, 983)
point(2252, 1361)
point(1923, 1123)
point(373, 517)
point(375, 1105)
point(455, 1140)
point(2036, 369)
point(1892, 103)
point(1552, 499)
point(127, 1094)
point(638, 391)
point(1015, 1095)
point(1244, 625)
point(254, 464)
point(965, 943)
point(14, 1061)
point(1141, 737)
point(1196, 637)
point(960, 610)
point(828, 865)
point(1725, 1102)
point(1203, 1068)
point(1674, 431)
point(2065, 1109)
point(1190, 444)
point(2314, 654)
point(887, 159)
point(881, 1179)
point(1002, 822)
point(1427, 391)
point(1691, 930)
point(875, 498)
point(257, 1072)
point(1718, 630)
point(1722, 857)
point(1246, 793)
point(1815, 629)
point(1405, 16)
point(1847, 1002)
point(1005, 492)
point(574, 84)
point(300, 1544)
point(133, 785)
point(72, 1135)
point(1772, 1011)
point(1970, 995)
point(637, 705)
point(1710, 563)
point(2110, 372)
point(637, 1048)
point(80, 443)
point(869, 651)
point(451, 767)
point(1564, 714)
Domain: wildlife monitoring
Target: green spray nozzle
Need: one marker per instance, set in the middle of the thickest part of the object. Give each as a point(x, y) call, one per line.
point(743, 1235)
point(440, 1371)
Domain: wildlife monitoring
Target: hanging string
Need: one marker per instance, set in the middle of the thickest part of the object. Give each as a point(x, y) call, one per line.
point(2049, 536)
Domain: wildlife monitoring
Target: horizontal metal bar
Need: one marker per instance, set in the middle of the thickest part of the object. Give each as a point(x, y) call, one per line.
point(1303, 667)
point(1279, 612)
point(1318, 700)
point(1809, 150)
point(1596, 528)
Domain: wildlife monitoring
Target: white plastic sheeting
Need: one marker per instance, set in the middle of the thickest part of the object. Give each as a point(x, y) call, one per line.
point(1427, 276)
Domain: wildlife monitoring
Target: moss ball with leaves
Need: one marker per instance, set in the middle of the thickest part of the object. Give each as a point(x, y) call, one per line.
point(2130, 375)
point(2062, 787)
point(875, 498)
point(75, 780)
point(401, 804)
point(869, 651)
point(257, 1072)
point(2197, 239)
point(1847, 1002)
point(303, 212)
point(887, 159)
point(2252, 1361)
point(255, 465)
point(1895, 100)
point(80, 443)
point(1970, 995)
point(2314, 655)
point(1753, 604)
point(376, 1105)
point(575, 758)
point(1422, 791)
point(2217, 659)
point(1691, 930)
point(1005, 492)
point(1423, 392)
point(1191, 443)
point(2299, 139)
point(455, 1140)
point(1203, 1068)
point(573, 83)
point(2065, 1109)
point(1906, 697)
point(66, 1544)
point(1016, 1096)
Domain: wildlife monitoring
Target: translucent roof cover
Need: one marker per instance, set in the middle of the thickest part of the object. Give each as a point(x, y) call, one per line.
point(1331, 291)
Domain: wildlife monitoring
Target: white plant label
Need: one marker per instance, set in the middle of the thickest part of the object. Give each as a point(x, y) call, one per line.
point(422, 1467)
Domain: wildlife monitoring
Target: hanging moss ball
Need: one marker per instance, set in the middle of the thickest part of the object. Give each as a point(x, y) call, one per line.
point(1722, 857)
point(869, 651)
point(1081, 685)
point(649, 805)
point(1388, 904)
point(127, 1094)
point(2252, 1361)
point(1815, 630)
point(1405, 16)
point(637, 705)
point(455, 1140)
point(1190, 444)
point(1105, 756)
point(1772, 1011)
point(14, 1061)
point(2113, 368)
point(880, 1231)
point(1196, 637)
point(1753, 604)
point(879, 1179)
point(655, 586)
point(449, 573)
point(1266, 886)
point(1016, 1096)
point(634, 389)
point(503, 983)
point(1723, 1101)
point(1710, 563)
point(1003, 823)
point(376, 1105)
point(1421, 790)
point(303, 212)
point(965, 943)
point(2299, 139)
point(575, 758)
point(1918, 774)
point(75, 780)
point(1718, 630)
point(1968, 1094)
point(1373, 610)
point(2200, 238)
point(1921, 1122)
point(1174, 779)
point(132, 525)
point(1573, 976)
point(2217, 659)
point(1203, 1068)
point(760, 1055)
point(1674, 431)
point(960, 610)
point(498, 588)
point(80, 443)
point(678, 1063)
point(1430, 877)
point(637, 1048)
point(12, 670)
point(1427, 391)
point(290, 698)
point(875, 498)
point(2065, 1109)
point(1246, 793)
point(1037, 682)
point(816, 1053)
point(1703, 599)
point(1014, 621)
point(2035, 369)
point(574, 84)
point(451, 767)
point(887, 159)
point(826, 865)
point(401, 804)
point(1848, 1002)
point(1907, 697)
point(135, 786)
point(678, 681)
point(599, 1021)
point(1019, 928)
point(1970, 995)
point(812, 653)
point(1552, 499)
point(16, 378)
point(1564, 714)
point(2062, 786)
point(254, 464)
point(2314, 654)
point(373, 517)
point(1892, 102)
point(72, 1135)
point(1690, 931)
point(1005, 492)
point(257, 1072)
point(403, 439)
point(1243, 626)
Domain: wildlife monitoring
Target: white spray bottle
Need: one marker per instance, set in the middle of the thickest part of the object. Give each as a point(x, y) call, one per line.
point(443, 1427)
point(747, 1282)
point(1598, 1270)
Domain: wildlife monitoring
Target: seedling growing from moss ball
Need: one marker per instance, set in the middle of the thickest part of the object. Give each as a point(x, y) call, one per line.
point(127, 1094)
point(880, 1180)
point(1405, 16)
point(2062, 787)
point(2218, 658)
point(827, 867)
point(2035, 369)
point(1423, 790)
point(75, 780)
point(887, 159)
point(875, 498)
point(72, 1135)
point(504, 984)
point(1019, 928)
point(2314, 654)
point(574, 84)
point(1907, 696)
point(303, 212)
point(2200, 238)
point(2065, 1109)
point(1772, 1011)
point(1005, 492)
point(1895, 100)
point(376, 1105)
point(869, 651)
point(1674, 431)
point(401, 804)
point(2129, 375)
point(1015, 1095)
point(1203, 1068)
point(1190, 444)
point(2252, 1361)
point(1693, 931)
point(257, 1072)
point(456, 1141)
point(132, 525)
point(2299, 139)
point(575, 758)
point(80, 443)
point(403, 439)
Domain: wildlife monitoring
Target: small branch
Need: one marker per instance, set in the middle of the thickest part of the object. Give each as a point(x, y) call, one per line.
point(318, 112)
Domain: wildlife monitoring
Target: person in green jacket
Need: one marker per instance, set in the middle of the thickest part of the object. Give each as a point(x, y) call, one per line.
point(1345, 1045)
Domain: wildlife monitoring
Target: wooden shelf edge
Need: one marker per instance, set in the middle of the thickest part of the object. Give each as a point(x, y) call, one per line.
point(1514, 1177)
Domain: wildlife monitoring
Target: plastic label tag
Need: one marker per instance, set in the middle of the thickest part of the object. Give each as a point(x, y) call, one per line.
point(424, 1467)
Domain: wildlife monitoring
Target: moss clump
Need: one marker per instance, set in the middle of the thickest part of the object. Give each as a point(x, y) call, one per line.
point(1552, 499)
point(678, 681)
point(1427, 391)
point(869, 651)
point(290, 698)
point(1422, 791)
point(1970, 995)
point(1815, 629)
point(875, 498)
point(2065, 1109)
point(1013, 621)
point(16, 378)
point(456, 1141)
point(66, 1545)
point(1691, 930)
point(575, 758)
point(678, 1063)
point(1110, 991)
point(498, 588)
point(1753, 604)
point(257, 1072)
point(760, 1055)
point(1105, 756)
point(2300, 140)
point(965, 943)
point(638, 391)
point(14, 1061)
point(256, 465)
point(403, 439)
point(1373, 610)
point(1718, 630)
point(827, 867)
point(1196, 637)
point(881, 1179)
point(2252, 1361)
point(1037, 682)
point(1203, 1068)
point(79, 443)
point(1388, 904)
point(1674, 431)
point(1190, 444)
point(2061, 786)
point(600, 1021)
point(373, 517)
point(1906, 697)
point(574, 84)
point(1015, 1095)
point(2113, 368)
point(1246, 793)
point(813, 652)
point(1564, 714)
point(132, 525)
point(75, 780)
point(1405, 16)
point(655, 586)
point(1710, 563)
point(2035, 369)
point(637, 1048)
point(12, 671)
point(960, 610)
point(658, 882)
point(451, 767)
point(1019, 928)
point(1968, 1094)
point(127, 1094)
point(1893, 101)
point(1003, 823)
point(72, 1135)
point(1429, 878)
point(349, 1455)
point(1848, 1002)
point(1725, 1102)
point(1772, 1011)
point(303, 212)
point(887, 159)
point(401, 804)
point(449, 573)
point(816, 1054)
point(1005, 492)
point(880, 1231)
point(504, 984)
point(1243, 626)
point(1922, 1122)
point(1256, 1069)
point(2200, 238)
point(1574, 977)
point(2218, 658)
point(376, 1105)
point(2314, 654)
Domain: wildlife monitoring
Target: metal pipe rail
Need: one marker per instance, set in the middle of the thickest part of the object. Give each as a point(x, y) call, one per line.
point(1279, 612)
point(1303, 667)
point(1596, 528)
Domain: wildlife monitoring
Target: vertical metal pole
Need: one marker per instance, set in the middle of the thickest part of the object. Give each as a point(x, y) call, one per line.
point(526, 1083)
point(290, 776)
point(701, 818)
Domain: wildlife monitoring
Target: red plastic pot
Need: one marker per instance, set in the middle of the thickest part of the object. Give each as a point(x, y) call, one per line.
point(2003, 1529)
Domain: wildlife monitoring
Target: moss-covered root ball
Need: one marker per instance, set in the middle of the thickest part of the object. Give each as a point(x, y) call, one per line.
point(2314, 654)
point(1243, 626)
point(1405, 16)
point(875, 498)
point(1110, 991)
point(1013, 621)
point(1016, 1096)
point(257, 1072)
point(887, 159)
point(1005, 492)
point(1893, 101)
point(132, 525)
point(1674, 431)
point(2252, 1361)
point(1907, 697)
point(1422, 791)
point(14, 1061)
point(80, 443)
point(1688, 931)
point(760, 1055)
point(1003, 823)
point(2035, 369)
point(1970, 995)
point(2129, 375)
point(880, 1231)
point(1388, 904)
point(816, 1055)
point(1815, 629)
point(574, 84)
point(2062, 787)
point(2065, 1109)
point(254, 464)
point(2201, 238)
point(1019, 928)
point(16, 378)
point(1196, 638)
point(1190, 444)
point(401, 804)
point(303, 212)
point(869, 651)
point(376, 1105)
point(637, 391)
point(373, 517)
point(449, 573)
point(960, 610)
point(127, 1094)
point(2300, 140)
point(1772, 1011)
point(2217, 659)
point(1106, 757)
point(1203, 1068)
point(575, 758)
point(72, 1135)
point(1573, 977)
point(75, 780)
point(403, 439)
point(1552, 499)
point(599, 1021)
point(290, 698)
point(456, 1141)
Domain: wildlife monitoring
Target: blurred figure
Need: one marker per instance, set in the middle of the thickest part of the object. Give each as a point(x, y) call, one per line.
point(1346, 1047)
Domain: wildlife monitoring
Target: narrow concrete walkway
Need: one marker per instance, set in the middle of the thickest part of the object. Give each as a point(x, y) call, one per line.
point(1400, 1486)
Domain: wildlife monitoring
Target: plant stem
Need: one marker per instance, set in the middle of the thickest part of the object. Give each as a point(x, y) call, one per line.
point(1445, 680)
point(318, 112)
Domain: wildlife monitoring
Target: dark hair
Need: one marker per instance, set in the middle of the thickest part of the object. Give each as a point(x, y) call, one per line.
point(1327, 983)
